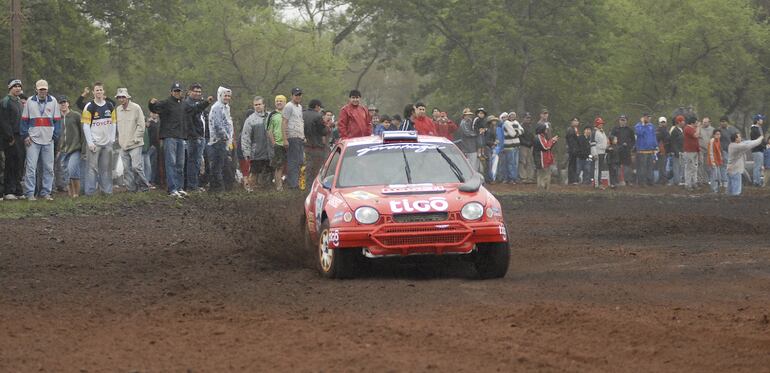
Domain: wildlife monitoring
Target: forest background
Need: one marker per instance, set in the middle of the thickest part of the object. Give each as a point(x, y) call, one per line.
point(575, 57)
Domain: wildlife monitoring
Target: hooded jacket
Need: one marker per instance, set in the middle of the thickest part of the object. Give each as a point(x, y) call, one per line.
point(541, 149)
point(220, 121)
point(254, 141)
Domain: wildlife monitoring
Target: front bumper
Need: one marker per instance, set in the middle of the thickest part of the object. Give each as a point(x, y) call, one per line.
point(446, 237)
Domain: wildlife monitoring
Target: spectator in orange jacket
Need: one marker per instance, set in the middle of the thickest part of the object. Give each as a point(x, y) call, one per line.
point(355, 120)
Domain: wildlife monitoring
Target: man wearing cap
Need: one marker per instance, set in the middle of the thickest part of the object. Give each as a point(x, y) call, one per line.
point(757, 152)
point(131, 127)
point(468, 139)
point(275, 135)
point(354, 118)
point(99, 128)
point(662, 136)
point(11, 141)
point(73, 147)
point(526, 162)
point(294, 137)
point(173, 134)
point(626, 143)
point(195, 108)
point(40, 127)
point(646, 147)
point(599, 144)
point(706, 131)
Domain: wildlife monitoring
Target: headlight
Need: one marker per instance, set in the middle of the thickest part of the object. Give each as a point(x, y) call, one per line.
point(367, 215)
point(472, 211)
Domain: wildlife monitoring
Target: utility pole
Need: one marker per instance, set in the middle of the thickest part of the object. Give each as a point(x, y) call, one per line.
point(16, 61)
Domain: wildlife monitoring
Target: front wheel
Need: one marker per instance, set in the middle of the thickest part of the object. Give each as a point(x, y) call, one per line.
point(492, 259)
point(334, 262)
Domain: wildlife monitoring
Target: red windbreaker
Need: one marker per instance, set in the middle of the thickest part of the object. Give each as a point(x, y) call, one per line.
point(425, 126)
point(355, 121)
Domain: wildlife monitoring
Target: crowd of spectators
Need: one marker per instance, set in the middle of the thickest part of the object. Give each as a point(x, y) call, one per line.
point(190, 144)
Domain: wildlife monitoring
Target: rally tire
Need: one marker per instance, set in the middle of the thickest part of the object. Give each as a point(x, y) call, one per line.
point(492, 259)
point(334, 263)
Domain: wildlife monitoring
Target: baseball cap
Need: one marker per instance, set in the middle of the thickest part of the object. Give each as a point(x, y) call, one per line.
point(296, 91)
point(62, 98)
point(41, 84)
point(662, 120)
point(481, 109)
point(622, 116)
point(176, 86)
point(758, 117)
point(645, 114)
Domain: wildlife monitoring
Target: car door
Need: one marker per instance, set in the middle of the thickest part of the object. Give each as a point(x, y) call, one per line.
point(324, 187)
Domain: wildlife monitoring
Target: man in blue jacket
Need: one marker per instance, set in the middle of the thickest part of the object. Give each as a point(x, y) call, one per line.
point(646, 147)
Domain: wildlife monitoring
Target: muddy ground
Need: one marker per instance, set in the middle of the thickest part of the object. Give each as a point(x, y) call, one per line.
point(598, 282)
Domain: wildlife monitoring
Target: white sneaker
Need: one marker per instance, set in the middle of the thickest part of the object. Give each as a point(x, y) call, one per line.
point(10, 197)
point(48, 198)
point(31, 198)
point(175, 194)
point(182, 193)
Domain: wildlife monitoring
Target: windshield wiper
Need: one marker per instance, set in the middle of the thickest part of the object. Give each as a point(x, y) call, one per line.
point(406, 168)
point(452, 165)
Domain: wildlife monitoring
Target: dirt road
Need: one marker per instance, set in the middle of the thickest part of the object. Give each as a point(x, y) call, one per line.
point(597, 283)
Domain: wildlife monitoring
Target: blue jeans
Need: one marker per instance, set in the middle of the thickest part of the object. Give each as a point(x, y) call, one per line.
point(44, 152)
point(173, 153)
point(194, 159)
point(294, 156)
point(147, 165)
point(511, 162)
point(99, 170)
point(133, 170)
point(715, 179)
point(723, 168)
point(71, 163)
point(734, 184)
point(217, 153)
point(584, 171)
point(756, 175)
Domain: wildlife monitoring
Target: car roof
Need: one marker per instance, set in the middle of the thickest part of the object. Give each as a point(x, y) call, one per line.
point(375, 140)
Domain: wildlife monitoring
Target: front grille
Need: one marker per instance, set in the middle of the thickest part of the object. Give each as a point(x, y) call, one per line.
point(421, 234)
point(419, 218)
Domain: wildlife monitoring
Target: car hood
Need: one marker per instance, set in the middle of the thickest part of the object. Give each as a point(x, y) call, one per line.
point(412, 198)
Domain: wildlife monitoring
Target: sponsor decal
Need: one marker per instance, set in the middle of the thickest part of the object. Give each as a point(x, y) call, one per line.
point(417, 148)
point(319, 207)
point(337, 217)
point(361, 195)
point(503, 232)
point(335, 201)
point(433, 204)
point(334, 237)
point(413, 188)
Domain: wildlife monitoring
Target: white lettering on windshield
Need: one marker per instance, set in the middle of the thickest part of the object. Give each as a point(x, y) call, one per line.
point(418, 148)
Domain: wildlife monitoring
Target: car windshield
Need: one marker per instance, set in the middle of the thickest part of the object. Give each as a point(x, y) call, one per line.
point(410, 163)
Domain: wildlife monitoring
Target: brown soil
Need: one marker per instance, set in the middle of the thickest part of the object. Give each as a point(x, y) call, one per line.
point(598, 281)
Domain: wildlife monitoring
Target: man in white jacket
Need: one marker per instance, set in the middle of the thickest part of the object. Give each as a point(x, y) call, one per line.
point(221, 140)
point(512, 130)
point(736, 152)
point(131, 140)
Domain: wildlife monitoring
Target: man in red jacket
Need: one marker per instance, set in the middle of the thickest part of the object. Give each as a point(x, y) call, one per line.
point(422, 123)
point(355, 120)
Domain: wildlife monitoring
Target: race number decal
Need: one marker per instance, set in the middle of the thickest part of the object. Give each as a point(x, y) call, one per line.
point(334, 238)
point(433, 204)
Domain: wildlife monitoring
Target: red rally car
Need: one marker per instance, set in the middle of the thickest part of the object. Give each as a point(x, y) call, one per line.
point(398, 195)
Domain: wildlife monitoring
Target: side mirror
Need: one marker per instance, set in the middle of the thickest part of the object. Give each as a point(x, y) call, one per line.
point(327, 182)
point(473, 184)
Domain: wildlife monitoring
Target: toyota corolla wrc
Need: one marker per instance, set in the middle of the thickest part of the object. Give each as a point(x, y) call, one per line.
point(400, 195)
